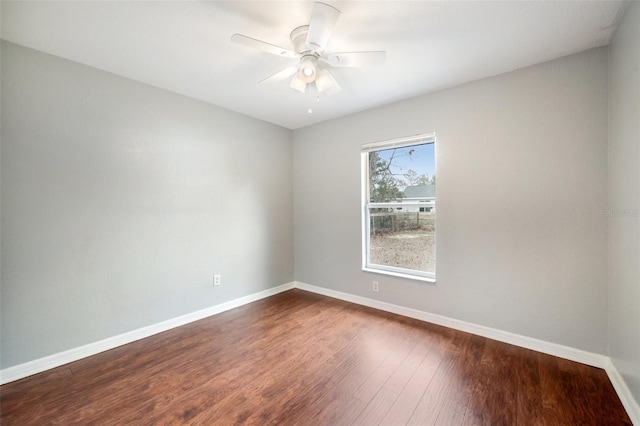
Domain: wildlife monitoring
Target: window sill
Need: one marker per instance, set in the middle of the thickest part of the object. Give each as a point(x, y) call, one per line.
point(400, 275)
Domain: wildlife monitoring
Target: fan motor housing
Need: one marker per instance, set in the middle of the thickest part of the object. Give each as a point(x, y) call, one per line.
point(299, 39)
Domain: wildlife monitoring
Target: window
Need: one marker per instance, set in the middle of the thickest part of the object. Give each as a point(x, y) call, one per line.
point(399, 207)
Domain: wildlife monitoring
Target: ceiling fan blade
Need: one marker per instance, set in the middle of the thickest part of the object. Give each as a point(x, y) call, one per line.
point(323, 19)
point(280, 75)
point(264, 46)
point(298, 84)
point(356, 59)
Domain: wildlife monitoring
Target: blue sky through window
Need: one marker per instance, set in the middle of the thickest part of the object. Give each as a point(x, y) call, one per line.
point(419, 158)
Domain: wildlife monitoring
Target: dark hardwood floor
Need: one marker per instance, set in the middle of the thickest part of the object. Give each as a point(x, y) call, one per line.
point(301, 358)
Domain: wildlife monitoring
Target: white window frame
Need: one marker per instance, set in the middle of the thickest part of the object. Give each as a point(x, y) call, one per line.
point(420, 139)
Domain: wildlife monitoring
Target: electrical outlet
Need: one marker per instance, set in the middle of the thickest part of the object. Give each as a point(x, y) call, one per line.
point(374, 286)
point(217, 280)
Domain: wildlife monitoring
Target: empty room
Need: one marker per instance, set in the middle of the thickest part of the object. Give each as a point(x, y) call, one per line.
point(320, 213)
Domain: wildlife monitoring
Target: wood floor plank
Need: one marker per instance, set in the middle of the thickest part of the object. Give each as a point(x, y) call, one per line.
point(450, 348)
point(406, 403)
point(401, 376)
point(433, 399)
point(529, 408)
point(377, 408)
point(331, 403)
point(494, 396)
point(552, 390)
point(299, 358)
point(452, 413)
point(331, 407)
point(368, 390)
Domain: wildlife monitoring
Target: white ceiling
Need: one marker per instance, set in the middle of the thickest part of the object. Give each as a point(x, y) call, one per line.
point(184, 46)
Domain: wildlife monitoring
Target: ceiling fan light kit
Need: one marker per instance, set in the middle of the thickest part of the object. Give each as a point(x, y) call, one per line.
point(298, 84)
point(309, 42)
point(325, 81)
point(307, 70)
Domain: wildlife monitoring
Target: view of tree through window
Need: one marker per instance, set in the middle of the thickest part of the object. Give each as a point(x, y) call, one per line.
point(400, 209)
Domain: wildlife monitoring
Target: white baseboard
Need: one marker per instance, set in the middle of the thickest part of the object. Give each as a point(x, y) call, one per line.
point(566, 352)
point(624, 393)
point(42, 364)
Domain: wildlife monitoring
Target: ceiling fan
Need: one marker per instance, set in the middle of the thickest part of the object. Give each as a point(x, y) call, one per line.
point(309, 42)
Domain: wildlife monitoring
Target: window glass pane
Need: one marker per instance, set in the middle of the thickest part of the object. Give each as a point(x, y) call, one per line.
point(403, 238)
point(391, 171)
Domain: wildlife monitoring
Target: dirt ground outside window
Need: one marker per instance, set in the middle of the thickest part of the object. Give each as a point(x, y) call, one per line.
point(410, 249)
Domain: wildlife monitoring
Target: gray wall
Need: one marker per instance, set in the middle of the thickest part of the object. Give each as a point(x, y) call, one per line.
point(624, 195)
point(120, 201)
point(521, 233)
